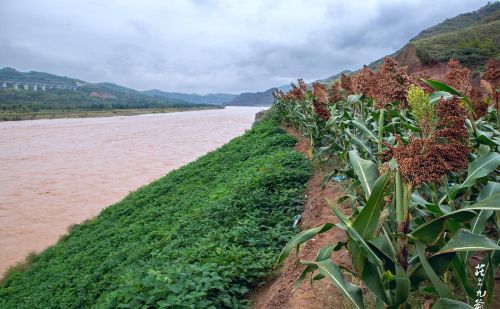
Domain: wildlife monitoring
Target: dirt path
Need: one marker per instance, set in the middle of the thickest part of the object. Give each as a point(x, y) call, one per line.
point(278, 291)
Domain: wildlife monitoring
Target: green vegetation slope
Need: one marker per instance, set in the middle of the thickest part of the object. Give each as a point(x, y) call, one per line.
point(471, 38)
point(199, 237)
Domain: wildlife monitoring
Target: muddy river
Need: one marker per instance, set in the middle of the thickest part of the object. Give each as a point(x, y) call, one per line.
point(54, 173)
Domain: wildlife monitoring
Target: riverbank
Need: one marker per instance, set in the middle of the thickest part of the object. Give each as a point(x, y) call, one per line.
point(62, 114)
point(201, 236)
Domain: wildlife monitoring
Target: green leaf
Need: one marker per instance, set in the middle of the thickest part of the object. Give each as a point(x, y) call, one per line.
point(438, 285)
point(439, 86)
point(477, 224)
point(360, 125)
point(465, 240)
point(482, 139)
point(361, 144)
point(488, 203)
point(489, 189)
point(366, 171)
point(347, 225)
point(446, 303)
point(437, 95)
point(460, 274)
point(402, 286)
point(308, 269)
point(480, 167)
point(301, 238)
point(334, 274)
point(368, 219)
point(326, 252)
point(384, 244)
point(373, 281)
point(429, 232)
point(440, 264)
point(353, 98)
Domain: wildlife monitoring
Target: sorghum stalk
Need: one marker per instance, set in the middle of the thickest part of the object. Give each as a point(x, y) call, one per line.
point(403, 194)
point(380, 129)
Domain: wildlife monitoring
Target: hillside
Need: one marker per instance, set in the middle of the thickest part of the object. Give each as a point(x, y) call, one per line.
point(212, 98)
point(472, 38)
point(458, 22)
point(264, 98)
point(17, 104)
point(253, 99)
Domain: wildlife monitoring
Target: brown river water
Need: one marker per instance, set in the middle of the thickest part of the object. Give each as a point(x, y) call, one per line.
point(54, 173)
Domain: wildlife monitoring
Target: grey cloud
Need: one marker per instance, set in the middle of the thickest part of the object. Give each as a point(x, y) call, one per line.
point(209, 45)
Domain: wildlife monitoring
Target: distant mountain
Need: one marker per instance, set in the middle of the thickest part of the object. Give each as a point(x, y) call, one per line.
point(213, 98)
point(253, 99)
point(80, 95)
point(114, 92)
point(264, 98)
point(284, 87)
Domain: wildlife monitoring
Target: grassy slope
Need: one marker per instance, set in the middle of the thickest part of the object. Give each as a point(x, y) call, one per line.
point(456, 23)
point(471, 38)
point(199, 237)
point(473, 45)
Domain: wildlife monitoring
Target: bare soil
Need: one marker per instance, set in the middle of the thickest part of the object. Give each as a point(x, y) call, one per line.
point(278, 292)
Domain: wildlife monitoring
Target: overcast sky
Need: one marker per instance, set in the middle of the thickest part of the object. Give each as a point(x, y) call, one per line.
point(203, 46)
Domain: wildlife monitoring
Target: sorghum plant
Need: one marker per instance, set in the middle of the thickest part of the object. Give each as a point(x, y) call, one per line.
point(425, 202)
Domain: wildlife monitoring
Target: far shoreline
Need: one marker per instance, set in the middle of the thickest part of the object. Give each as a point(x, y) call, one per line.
point(71, 114)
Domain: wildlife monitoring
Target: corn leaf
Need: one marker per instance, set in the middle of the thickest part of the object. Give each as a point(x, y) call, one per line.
point(429, 232)
point(301, 238)
point(356, 237)
point(402, 286)
point(366, 171)
point(361, 126)
point(446, 303)
point(372, 279)
point(480, 167)
point(439, 86)
point(465, 240)
point(334, 274)
point(368, 219)
point(492, 203)
point(438, 285)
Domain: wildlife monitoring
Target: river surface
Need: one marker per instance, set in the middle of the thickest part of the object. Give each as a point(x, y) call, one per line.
point(54, 173)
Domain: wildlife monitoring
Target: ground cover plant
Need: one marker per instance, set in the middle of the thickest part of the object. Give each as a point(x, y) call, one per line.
point(199, 237)
point(420, 157)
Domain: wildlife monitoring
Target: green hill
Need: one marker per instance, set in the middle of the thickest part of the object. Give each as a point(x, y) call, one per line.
point(18, 104)
point(471, 38)
point(459, 22)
